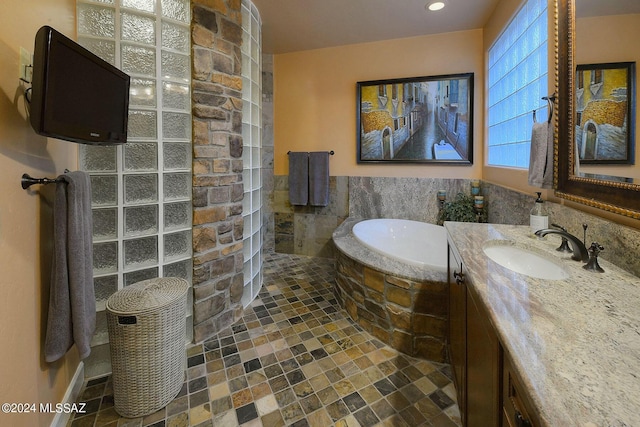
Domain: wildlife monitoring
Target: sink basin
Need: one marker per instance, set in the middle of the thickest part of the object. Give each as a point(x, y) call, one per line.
point(525, 262)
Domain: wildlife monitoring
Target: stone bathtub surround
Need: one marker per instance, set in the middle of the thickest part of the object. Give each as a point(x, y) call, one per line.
point(574, 342)
point(401, 305)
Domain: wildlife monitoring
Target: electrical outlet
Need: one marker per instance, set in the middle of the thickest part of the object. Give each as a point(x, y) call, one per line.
point(25, 70)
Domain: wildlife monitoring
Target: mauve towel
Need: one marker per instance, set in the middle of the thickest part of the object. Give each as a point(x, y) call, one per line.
point(72, 303)
point(298, 178)
point(319, 178)
point(541, 156)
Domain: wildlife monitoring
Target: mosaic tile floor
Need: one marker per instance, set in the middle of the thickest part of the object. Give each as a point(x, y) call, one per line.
point(294, 359)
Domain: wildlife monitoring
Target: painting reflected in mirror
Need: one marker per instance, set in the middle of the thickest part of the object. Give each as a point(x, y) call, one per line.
point(605, 113)
point(416, 120)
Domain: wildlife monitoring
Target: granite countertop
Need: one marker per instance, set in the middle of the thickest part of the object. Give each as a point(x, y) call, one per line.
point(575, 342)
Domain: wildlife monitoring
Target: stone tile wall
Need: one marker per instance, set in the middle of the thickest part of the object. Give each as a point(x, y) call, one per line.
point(217, 165)
point(401, 198)
point(307, 230)
point(268, 242)
point(409, 316)
point(621, 243)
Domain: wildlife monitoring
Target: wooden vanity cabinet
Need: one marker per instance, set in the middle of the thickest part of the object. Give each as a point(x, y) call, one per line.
point(474, 351)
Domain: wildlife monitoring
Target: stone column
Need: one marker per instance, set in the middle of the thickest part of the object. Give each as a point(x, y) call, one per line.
point(216, 31)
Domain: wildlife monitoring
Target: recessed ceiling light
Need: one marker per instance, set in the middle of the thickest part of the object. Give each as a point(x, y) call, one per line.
point(436, 5)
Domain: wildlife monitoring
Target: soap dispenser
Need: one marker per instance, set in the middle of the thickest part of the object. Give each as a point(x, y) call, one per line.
point(538, 219)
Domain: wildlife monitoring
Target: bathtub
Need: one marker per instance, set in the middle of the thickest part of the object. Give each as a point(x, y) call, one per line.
point(391, 279)
point(415, 243)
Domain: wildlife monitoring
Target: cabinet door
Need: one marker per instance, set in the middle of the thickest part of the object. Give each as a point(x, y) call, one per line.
point(516, 409)
point(483, 369)
point(458, 327)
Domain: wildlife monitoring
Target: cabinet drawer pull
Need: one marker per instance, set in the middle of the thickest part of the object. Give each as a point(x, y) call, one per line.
point(459, 277)
point(521, 421)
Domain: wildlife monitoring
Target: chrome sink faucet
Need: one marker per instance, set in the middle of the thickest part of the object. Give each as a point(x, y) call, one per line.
point(580, 252)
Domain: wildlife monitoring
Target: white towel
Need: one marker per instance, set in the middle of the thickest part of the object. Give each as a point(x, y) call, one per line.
point(541, 156)
point(72, 302)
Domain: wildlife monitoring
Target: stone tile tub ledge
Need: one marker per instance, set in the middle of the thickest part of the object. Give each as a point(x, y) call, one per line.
point(403, 305)
point(347, 243)
point(575, 342)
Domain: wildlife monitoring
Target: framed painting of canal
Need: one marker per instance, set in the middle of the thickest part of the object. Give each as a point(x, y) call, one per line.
point(605, 113)
point(416, 120)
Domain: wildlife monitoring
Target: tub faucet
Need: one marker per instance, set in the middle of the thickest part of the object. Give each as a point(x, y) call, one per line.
point(579, 249)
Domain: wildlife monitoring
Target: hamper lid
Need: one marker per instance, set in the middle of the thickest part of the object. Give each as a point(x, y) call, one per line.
point(147, 295)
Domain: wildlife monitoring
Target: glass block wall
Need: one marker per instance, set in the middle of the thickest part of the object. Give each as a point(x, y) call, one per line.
point(517, 74)
point(142, 190)
point(252, 147)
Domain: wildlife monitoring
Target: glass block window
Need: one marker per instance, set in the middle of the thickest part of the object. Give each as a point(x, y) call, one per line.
point(142, 189)
point(518, 68)
point(252, 150)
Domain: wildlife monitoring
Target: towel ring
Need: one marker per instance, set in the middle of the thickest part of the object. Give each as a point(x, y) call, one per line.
point(550, 100)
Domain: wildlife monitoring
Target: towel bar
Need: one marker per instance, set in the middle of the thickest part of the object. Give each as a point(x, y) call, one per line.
point(27, 181)
point(330, 152)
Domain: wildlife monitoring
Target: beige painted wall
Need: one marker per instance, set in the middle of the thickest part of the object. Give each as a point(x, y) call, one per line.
point(314, 100)
point(25, 222)
point(315, 97)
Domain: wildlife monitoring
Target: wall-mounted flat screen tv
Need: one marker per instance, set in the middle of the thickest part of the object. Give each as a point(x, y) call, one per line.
point(76, 95)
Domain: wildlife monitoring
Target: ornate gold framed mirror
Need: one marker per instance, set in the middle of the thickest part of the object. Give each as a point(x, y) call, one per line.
point(593, 33)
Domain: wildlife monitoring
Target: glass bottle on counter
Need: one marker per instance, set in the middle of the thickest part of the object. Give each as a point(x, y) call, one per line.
point(538, 219)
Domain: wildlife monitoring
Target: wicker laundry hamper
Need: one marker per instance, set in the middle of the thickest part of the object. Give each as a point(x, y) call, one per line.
point(147, 335)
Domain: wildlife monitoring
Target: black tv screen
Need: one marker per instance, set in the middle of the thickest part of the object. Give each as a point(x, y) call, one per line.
point(76, 95)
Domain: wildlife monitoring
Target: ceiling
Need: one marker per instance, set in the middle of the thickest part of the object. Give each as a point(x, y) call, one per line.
point(295, 25)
